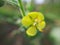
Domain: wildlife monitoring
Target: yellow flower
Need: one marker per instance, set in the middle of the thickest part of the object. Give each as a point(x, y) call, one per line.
point(35, 20)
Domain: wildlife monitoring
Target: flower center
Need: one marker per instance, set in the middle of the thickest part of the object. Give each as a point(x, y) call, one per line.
point(35, 22)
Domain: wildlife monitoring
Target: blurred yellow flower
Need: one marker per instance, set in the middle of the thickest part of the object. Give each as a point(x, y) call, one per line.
point(35, 20)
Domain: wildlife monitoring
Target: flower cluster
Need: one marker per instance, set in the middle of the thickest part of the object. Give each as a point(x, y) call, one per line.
point(35, 21)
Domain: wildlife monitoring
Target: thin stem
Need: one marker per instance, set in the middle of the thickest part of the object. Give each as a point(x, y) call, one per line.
point(21, 8)
point(28, 6)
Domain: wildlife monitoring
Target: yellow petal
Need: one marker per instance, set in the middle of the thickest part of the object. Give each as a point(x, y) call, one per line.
point(26, 21)
point(35, 15)
point(31, 31)
point(41, 25)
point(41, 16)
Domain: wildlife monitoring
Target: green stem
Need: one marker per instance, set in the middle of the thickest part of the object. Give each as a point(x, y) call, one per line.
point(21, 8)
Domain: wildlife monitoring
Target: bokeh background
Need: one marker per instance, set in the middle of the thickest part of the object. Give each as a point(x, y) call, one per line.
point(13, 33)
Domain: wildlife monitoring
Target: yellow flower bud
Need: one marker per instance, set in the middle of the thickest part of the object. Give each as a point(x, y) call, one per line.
point(31, 31)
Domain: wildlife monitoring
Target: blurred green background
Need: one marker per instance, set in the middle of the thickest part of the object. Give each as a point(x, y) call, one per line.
point(13, 33)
